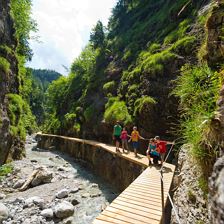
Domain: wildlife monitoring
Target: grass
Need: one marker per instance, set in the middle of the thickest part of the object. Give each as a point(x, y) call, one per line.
point(198, 110)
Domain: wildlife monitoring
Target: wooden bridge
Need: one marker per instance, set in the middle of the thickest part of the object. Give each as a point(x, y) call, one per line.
point(140, 202)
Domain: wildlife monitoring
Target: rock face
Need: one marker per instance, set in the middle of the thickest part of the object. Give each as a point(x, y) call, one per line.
point(188, 198)
point(216, 197)
point(8, 84)
point(215, 42)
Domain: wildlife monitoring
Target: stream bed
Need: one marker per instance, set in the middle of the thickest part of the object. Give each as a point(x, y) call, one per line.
point(71, 184)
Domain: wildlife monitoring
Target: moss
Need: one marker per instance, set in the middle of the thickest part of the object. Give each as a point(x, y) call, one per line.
point(21, 118)
point(4, 65)
point(178, 33)
point(117, 110)
point(185, 46)
point(109, 87)
point(5, 50)
point(154, 64)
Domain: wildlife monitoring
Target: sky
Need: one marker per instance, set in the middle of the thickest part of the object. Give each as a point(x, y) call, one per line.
point(64, 27)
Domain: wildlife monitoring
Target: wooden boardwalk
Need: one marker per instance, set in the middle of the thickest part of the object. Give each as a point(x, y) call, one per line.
point(140, 203)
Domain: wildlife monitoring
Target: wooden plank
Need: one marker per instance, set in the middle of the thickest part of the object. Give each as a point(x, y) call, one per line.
point(136, 217)
point(98, 221)
point(156, 207)
point(144, 194)
point(137, 207)
point(121, 217)
point(135, 211)
point(112, 220)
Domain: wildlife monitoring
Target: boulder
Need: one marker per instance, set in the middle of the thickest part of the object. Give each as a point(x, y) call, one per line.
point(42, 177)
point(4, 212)
point(64, 210)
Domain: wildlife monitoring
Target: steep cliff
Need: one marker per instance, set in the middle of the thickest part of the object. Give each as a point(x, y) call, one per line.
point(199, 182)
point(15, 114)
point(8, 83)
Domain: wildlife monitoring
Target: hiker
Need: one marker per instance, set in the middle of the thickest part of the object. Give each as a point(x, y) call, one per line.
point(135, 136)
point(124, 139)
point(116, 135)
point(152, 152)
point(161, 147)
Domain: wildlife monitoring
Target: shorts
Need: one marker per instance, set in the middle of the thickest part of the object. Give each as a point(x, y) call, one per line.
point(135, 145)
point(117, 138)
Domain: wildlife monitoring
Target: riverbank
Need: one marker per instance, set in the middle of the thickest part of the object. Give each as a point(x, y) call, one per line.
point(69, 181)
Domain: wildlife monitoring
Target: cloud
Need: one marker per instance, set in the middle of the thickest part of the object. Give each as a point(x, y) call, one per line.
point(64, 28)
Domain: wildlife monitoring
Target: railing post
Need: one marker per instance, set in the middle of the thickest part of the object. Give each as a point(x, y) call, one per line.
point(162, 196)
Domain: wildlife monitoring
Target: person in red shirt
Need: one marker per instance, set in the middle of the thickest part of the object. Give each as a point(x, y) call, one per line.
point(161, 147)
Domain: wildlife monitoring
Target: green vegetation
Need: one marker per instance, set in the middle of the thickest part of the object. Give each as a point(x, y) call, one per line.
point(20, 116)
point(5, 169)
point(143, 103)
point(20, 12)
point(198, 88)
point(4, 65)
point(117, 111)
point(40, 81)
point(125, 71)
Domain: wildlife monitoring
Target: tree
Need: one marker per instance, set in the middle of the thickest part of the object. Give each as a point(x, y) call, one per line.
point(97, 35)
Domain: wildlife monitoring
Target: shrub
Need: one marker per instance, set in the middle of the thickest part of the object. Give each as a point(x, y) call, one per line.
point(117, 110)
point(4, 65)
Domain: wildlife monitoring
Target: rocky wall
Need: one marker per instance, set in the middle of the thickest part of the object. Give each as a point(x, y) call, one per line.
point(9, 82)
point(116, 170)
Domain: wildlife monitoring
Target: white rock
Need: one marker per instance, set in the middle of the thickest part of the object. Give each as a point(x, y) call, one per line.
point(62, 194)
point(64, 210)
point(47, 213)
point(4, 212)
point(75, 190)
